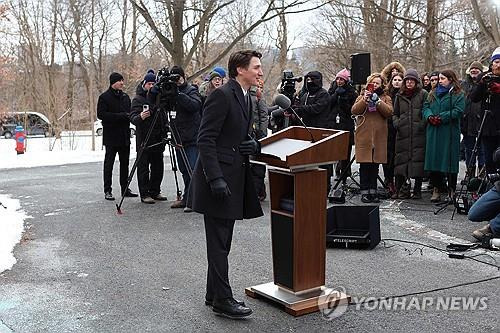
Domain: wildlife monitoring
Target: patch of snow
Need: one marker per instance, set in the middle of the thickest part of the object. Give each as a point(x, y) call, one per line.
point(11, 229)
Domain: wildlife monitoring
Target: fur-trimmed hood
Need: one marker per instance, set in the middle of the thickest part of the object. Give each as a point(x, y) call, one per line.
point(386, 72)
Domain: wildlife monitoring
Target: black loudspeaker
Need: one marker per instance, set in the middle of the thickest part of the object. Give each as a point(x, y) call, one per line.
point(360, 67)
point(353, 226)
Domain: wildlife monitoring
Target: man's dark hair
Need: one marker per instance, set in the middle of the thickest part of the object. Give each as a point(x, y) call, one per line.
point(240, 59)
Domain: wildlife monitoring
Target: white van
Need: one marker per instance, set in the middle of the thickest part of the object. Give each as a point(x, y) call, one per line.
point(98, 128)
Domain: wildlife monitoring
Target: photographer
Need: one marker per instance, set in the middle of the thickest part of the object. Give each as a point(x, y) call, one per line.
point(278, 119)
point(343, 95)
point(471, 120)
point(150, 164)
point(186, 123)
point(488, 208)
point(488, 93)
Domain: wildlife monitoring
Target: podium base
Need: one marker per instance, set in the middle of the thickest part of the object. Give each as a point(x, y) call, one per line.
point(297, 304)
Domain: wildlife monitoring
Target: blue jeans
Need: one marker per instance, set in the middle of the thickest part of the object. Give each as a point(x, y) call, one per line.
point(487, 208)
point(469, 142)
point(192, 156)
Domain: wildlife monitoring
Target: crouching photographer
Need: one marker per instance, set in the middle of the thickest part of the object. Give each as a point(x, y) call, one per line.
point(487, 91)
point(488, 207)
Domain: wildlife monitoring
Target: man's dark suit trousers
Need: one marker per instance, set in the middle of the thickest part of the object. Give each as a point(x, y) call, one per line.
point(219, 233)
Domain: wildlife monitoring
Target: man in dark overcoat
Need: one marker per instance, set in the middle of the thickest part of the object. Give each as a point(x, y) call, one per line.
point(222, 188)
point(113, 108)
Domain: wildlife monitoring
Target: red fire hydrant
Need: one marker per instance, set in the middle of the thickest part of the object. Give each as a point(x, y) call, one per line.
point(20, 140)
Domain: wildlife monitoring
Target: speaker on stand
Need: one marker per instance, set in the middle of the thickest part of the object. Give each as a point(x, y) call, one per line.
point(360, 67)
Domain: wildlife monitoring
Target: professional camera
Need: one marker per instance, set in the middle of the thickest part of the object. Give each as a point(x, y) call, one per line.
point(167, 83)
point(288, 81)
point(491, 78)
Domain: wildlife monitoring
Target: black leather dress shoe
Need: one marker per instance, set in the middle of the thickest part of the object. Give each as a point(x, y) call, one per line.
point(129, 194)
point(209, 302)
point(228, 307)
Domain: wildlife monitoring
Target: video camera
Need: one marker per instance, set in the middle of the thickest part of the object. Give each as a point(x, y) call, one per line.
point(288, 81)
point(491, 78)
point(166, 83)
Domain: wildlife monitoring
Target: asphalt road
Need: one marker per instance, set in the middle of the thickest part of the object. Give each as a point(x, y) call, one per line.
point(82, 268)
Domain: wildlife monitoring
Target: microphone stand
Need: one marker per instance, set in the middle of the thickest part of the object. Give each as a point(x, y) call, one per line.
point(303, 124)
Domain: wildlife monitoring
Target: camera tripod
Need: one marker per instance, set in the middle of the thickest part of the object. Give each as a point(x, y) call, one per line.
point(345, 174)
point(460, 197)
point(173, 141)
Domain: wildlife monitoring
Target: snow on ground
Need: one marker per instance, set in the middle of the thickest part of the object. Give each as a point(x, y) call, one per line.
point(11, 226)
point(72, 148)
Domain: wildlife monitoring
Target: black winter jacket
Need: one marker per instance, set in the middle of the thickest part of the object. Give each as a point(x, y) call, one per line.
point(314, 102)
point(142, 126)
point(471, 119)
point(113, 108)
point(341, 101)
point(188, 114)
point(480, 93)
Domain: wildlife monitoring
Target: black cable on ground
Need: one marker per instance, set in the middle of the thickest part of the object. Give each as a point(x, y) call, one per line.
point(436, 289)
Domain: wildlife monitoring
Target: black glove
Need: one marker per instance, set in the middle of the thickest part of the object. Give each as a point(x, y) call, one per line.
point(249, 147)
point(219, 188)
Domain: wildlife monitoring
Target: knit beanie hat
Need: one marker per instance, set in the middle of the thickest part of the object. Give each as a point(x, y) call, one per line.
point(343, 74)
point(178, 70)
point(412, 74)
point(221, 71)
point(496, 54)
point(150, 76)
point(115, 77)
point(213, 75)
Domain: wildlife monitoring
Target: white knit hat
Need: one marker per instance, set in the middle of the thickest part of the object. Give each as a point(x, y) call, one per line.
point(496, 54)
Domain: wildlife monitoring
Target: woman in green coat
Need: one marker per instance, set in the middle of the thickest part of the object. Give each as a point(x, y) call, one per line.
point(443, 110)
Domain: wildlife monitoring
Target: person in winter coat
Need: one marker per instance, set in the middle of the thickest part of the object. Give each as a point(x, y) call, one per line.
point(214, 81)
point(442, 110)
point(186, 124)
point(260, 121)
point(410, 134)
point(391, 69)
point(426, 82)
point(113, 108)
point(394, 87)
point(488, 93)
point(371, 110)
point(150, 163)
point(314, 107)
point(342, 97)
point(434, 79)
point(471, 120)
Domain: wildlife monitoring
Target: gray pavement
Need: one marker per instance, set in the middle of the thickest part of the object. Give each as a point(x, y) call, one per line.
point(82, 268)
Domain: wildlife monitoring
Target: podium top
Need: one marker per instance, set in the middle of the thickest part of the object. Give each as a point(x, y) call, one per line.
point(291, 148)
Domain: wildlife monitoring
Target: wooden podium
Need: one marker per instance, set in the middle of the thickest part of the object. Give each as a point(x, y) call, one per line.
point(298, 223)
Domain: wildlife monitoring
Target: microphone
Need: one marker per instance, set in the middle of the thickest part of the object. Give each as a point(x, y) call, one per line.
point(284, 102)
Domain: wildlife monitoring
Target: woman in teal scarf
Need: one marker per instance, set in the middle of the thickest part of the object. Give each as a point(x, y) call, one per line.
point(443, 110)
